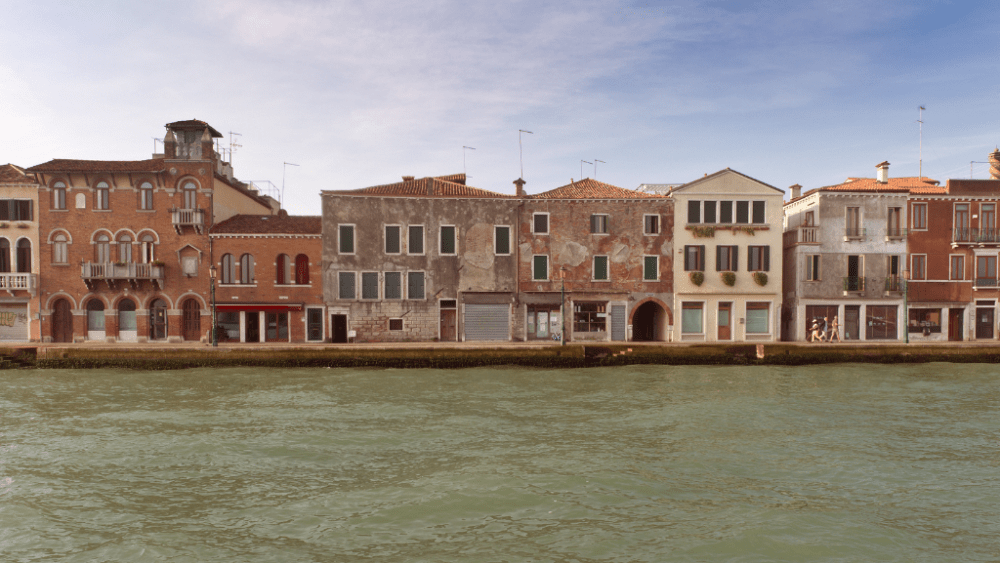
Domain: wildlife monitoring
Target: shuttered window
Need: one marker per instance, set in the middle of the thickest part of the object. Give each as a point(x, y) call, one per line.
point(726, 258)
point(447, 240)
point(347, 239)
point(392, 239)
point(501, 240)
point(415, 285)
point(345, 281)
point(694, 258)
point(601, 268)
point(393, 285)
point(759, 259)
point(415, 239)
point(369, 285)
point(650, 268)
point(540, 268)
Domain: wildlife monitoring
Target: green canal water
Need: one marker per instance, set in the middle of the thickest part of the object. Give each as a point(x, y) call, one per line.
point(650, 463)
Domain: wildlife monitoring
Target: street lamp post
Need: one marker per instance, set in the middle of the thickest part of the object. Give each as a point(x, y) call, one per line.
point(906, 312)
point(562, 277)
point(212, 272)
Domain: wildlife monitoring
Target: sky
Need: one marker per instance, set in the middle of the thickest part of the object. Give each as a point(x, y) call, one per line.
point(358, 94)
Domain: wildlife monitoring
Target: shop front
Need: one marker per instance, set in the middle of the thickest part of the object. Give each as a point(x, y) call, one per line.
point(256, 322)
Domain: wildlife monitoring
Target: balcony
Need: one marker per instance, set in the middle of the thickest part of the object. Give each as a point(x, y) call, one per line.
point(801, 235)
point(854, 233)
point(115, 273)
point(986, 282)
point(975, 236)
point(894, 233)
point(188, 218)
point(19, 282)
point(854, 284)
point(895, 284)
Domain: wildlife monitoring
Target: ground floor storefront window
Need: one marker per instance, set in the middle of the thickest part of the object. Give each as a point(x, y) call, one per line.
point(692, 318)
point(228, 326)
point(881, 322)
point(819, 317)
point(590, 317)
point(758, 318)
point(543, 322)
point(924, 321)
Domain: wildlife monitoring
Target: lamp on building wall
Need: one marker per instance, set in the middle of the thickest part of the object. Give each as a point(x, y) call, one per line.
point(212, 273)
point(906, 312)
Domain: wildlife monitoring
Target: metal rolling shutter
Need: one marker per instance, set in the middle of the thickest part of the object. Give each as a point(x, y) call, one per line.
point(487, 322)
point(618, 323)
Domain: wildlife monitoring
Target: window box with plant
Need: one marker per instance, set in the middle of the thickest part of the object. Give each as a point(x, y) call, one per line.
point(760, 278)
point(697, 278)
point(729, 278)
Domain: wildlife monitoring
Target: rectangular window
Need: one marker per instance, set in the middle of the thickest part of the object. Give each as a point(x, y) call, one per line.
point(590, 317)
point(59, 197)
point(759, 259)
point(600, 268)
point(925, 321)
point(710, 211)
point(812, 267)
point(893, 227)
point(988, 222)
point(415, 285)
point(757, 318)
point(694, 258)
point(986, 271)
point(694, 211)
point(393, 285)
point(395, 324)
point(651, 224)
point(103, 199)
point(853, 226)
point(726, 258)
point(650, 268)
point(501, 240)
point(892, 265)
point(369, 285)
point(540, 223)
point(15, 210)
point(918, 267)
point(345, 281)
point(957, 267)
point(314, 324)
point(146, 198)
point(599, 224)
point(392, 239)
point(919, 219)
point(691, 318)
point(881, 322)
point(346, 242)
point(742, 212)
point(725, 212)
point(758, 212)
point(447, 245)
point(415, 239)
point(540, 268)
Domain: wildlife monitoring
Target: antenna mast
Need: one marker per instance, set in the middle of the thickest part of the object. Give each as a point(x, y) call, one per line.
point(520, 148)
point(463, 160)
point(595, 166)
point(921, 122)
point(233, 145)
point(582, 161)
point(285, 167)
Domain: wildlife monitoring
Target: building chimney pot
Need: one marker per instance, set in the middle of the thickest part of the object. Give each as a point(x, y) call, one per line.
point(796, 191)
point(883, 172)
point(519, 190)
point(408, 178)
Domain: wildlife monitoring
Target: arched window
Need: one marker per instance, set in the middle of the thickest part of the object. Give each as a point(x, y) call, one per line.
point(4, 255)
point(228, 269)
point(102, 198)
point(102, 249)
point(147, 242)
point(125, 248)
point(284, 270)
point(145, 195)
point(24, 256)
point(302, 269)
point(190, 196)
point(59, 195)
point(95, 315)
point(60, 249)
point(246, 268)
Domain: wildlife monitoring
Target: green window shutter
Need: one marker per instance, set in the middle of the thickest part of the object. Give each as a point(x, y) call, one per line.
point(649, 272)
point(415, 240)
point(541, 268)
point(767, 258)
point(346, 239)
point(392, 240)
point(600, 267)
point(701, 258)
point(718, 259)
point(502, 240)
point(447, 240)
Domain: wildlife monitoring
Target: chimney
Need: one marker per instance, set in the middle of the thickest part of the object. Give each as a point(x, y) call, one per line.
point(430, 186)
point(883, 172)
point(170, 145)
point(995, 164)
point(519, 191)
point(796, 191)
point(408, 178)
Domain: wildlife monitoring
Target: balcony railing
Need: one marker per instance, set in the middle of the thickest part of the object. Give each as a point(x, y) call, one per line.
point(854, 283)
point(976, 235)
point(895, 284)
point(188, 218)
point(854, 232)
point(801, 235)
point(986, 282)
point(19, 282)
point(895, 232)
point(113, 273)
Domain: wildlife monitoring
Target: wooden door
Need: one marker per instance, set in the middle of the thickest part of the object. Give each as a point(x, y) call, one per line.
point(984, 324)
point(158, 320)
point(955, 325)
point(192, 320)
point(62, 322)
point(449, 331)
point(852, 322)
point(725, 321)
point(338, 328)
point(253, 326)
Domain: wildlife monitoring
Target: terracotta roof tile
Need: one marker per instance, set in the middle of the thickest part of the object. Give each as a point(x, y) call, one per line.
point(424, 187)
point(13, 174)
point(901, 184)
point(70, 165)
point(270, 225)
point(592, 189)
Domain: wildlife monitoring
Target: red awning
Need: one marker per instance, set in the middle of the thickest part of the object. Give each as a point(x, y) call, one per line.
point(268, 307)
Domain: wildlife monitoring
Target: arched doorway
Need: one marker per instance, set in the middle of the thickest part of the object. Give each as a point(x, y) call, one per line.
point(95, 320)
point(62, 321)
point(128, 331)
point(192, 320)
point(158, 320)
point(649, 323)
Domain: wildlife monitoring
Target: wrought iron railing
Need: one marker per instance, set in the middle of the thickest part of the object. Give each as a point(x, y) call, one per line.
point(986, 282)
point(854, 283)
point(854, 232)
point(976, 235)
point(895, 283)
point(895, 232)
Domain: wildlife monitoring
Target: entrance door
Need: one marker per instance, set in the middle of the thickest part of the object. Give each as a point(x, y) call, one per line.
point(253, 326)
point(192, 320)
point(127, 328)
point(277, 327)
point(852, 322)
point(854, 281)
point(338, 328)
point(955, 325)
point(984, 323)
point(62, 322)
point(158, 320)
point(449, 331)
point(725, 321)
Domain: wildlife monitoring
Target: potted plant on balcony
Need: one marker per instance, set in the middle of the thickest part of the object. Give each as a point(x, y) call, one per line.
point(697, 278)
point(760, 278)
point(729, 278)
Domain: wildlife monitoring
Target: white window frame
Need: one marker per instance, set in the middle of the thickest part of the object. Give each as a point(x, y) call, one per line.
point(644, 278)
point(378, 286)
point(548, 223)
point(56, 187)
point(356, 288)
point(407, 280)
point(913, 272)
point(423, 241)
point(385, 239)
point(548, 267)
point(951, 272)
point(385, 278)
point(746, 317)
point(510, 245)
point(607, 268)
point(441, 239)
point(659, 224)
point(102, 196)
point(703, 319)
point(354, 239)
point(813, 271)
point(60, 248)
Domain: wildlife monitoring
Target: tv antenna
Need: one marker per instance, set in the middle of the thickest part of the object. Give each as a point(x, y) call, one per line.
point(233, 145)
point(595, 166)
point(920, 169)
point(154, 143)
point(521, 149)
point(285, 167)
point(582, 161)
point(463, 159)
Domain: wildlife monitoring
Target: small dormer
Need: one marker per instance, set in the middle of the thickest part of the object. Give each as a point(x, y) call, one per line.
point(190, 140)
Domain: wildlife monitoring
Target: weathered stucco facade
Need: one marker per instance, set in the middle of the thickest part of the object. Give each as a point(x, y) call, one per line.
point(19, 254)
